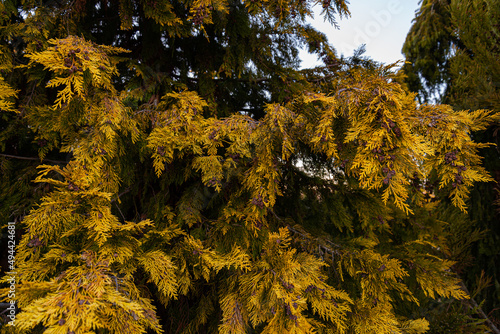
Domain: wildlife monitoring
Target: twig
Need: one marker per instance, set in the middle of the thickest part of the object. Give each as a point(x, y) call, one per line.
point(121, 213)
point(326, 249)
point(127, 190)
point(291, 229)
point(116, 282)
point(32, 158)
point(479, 311)
point(116, 204)
point(5, 306)
point(346, 89)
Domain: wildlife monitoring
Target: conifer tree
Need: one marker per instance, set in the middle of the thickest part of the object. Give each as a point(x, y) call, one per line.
point(185, 177)
point(453, 50)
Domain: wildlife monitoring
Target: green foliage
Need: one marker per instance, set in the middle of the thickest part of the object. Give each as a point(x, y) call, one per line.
point(209, 186)
point(453, 50)
point(428, 47)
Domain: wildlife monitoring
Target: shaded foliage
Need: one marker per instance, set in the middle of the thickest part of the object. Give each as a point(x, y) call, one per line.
point(453, 47)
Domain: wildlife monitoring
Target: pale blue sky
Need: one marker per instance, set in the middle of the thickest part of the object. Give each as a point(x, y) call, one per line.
point(380, 24)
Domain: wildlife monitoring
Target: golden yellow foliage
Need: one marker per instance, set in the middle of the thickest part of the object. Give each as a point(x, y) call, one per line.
point(226, 218)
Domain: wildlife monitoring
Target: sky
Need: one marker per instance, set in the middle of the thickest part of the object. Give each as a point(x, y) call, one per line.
point(381, 25)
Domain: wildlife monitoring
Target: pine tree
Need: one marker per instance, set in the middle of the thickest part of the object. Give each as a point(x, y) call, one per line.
point(453, 50)
point(190, 179)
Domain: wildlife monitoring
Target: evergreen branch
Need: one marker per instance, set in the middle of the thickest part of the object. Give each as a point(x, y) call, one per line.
point(262, 79)
point(196, 79)
point(32, 158)
point(346, 89)
point(322, 248)
point(319, 79)
point(475, 307)
point(351, 117)
point(250, 110)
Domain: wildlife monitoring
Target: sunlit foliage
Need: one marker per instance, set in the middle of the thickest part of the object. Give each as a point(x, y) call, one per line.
point(230, 193)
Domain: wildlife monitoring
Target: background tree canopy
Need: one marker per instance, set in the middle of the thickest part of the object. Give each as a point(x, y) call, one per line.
point(453, 47)
point(170, 169)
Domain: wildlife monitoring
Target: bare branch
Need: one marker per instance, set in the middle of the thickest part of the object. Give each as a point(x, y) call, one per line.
point(33, 159)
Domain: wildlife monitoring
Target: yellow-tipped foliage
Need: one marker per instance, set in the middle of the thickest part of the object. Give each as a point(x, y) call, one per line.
point(166, 204)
